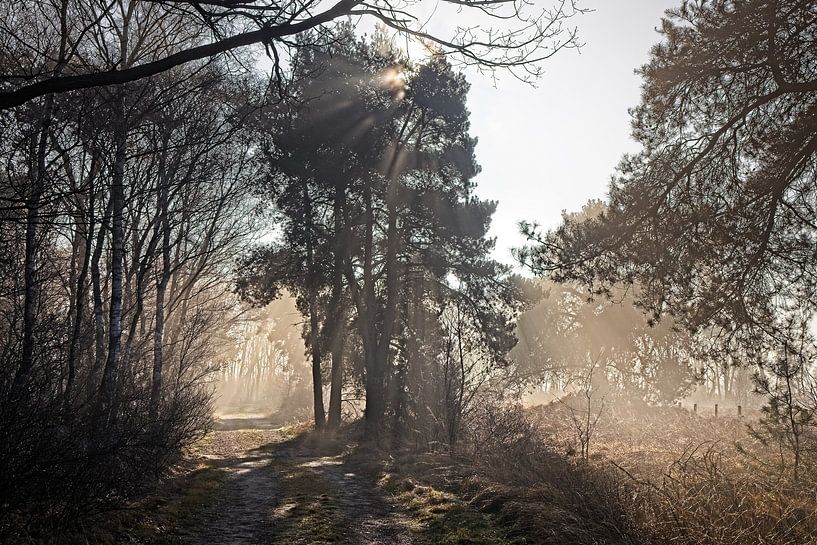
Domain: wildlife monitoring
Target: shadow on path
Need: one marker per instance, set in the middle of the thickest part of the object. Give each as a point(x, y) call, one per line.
point(300, 490)
point(243, 513)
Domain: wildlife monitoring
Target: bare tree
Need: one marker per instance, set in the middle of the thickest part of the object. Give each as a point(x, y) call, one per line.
point(587, 407)
point(509, 34)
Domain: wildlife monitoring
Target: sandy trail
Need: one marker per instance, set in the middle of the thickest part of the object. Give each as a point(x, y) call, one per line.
point(256, 458)
point(365, 512)
point(243, 514)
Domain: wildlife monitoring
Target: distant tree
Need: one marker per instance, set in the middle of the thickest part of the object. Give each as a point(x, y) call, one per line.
point(267, 367)
point(566, 333)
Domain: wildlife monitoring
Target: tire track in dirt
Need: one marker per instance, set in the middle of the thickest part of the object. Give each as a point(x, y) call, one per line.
point(366, 512)
point(375, 522)
point(241, 516)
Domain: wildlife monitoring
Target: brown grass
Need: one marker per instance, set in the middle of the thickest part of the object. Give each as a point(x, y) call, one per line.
point(696, 480)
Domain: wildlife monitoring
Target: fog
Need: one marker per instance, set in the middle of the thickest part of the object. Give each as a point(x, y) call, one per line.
point(435, 271)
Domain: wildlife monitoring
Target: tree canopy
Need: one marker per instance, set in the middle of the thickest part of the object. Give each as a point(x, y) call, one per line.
point(715, 217)
point(371, 175)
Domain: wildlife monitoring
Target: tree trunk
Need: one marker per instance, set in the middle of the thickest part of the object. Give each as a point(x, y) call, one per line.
point(317, 381)
point(33, 204)
point(30, 281)
point(379, 363)
point(314, 333)
point(375, 396)
point(336, 386)
point(143, 265)
point(96, 286)
point(375, 401)
point(109, 375)
point(161, 288)
point(79, 301)
point(338, 320)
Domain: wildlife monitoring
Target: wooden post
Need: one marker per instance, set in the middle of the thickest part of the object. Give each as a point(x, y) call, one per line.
point(716, 410)
point(739, 411)
point(695, 408)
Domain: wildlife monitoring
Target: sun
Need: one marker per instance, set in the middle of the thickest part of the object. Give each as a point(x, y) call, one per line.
point(394, 79)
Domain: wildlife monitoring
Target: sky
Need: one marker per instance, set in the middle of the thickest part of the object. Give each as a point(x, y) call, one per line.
point(552, 147)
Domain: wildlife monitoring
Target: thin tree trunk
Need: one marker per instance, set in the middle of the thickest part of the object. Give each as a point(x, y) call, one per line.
point(30, 281)
point(80, 302)
point(161, 288)
point(109, 376)
point(375, 397)
point(336, 386)
point(142, 266)
point(338, 321)
point(375, 402)
point(96, 286)
point(33, 204)
point(317, 382)
point(377, 365)
point(376, 370)
point(314, 333)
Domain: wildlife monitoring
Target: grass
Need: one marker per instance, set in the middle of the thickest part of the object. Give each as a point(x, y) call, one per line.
point(310, 513)
point(444, 518)
point(518, 488)
point(697, 479)
point(174, 515)
point(439, 514)
point(165, 517)
point(171, 512)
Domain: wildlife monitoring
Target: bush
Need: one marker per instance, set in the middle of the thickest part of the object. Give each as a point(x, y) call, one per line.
point(61, 464)
point(702, 500)
point(539, 493)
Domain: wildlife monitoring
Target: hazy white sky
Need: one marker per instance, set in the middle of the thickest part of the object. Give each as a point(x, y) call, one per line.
point(553, 147)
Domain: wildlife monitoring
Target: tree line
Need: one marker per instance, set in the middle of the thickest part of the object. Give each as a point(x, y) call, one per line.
point(121, 213)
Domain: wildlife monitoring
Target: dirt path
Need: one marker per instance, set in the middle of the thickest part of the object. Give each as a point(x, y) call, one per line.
point(366, 513)
point(280, 489)
point(249, 494)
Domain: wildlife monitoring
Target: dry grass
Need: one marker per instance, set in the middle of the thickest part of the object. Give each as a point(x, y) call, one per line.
point(655, 476)
point(426, 488)
point(308, 512)
point(696, 480)
point(545, 497)
point(507, 486)
point(162, 518)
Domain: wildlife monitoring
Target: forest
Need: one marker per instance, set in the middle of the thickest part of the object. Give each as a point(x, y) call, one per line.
point(252, 291)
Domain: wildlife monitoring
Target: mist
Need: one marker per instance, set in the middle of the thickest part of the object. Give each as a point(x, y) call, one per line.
point(288, 272)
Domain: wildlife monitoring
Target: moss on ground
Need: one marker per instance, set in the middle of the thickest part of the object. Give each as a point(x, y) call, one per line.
point(174, 520)
point(442, 518)
point(307, 510)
